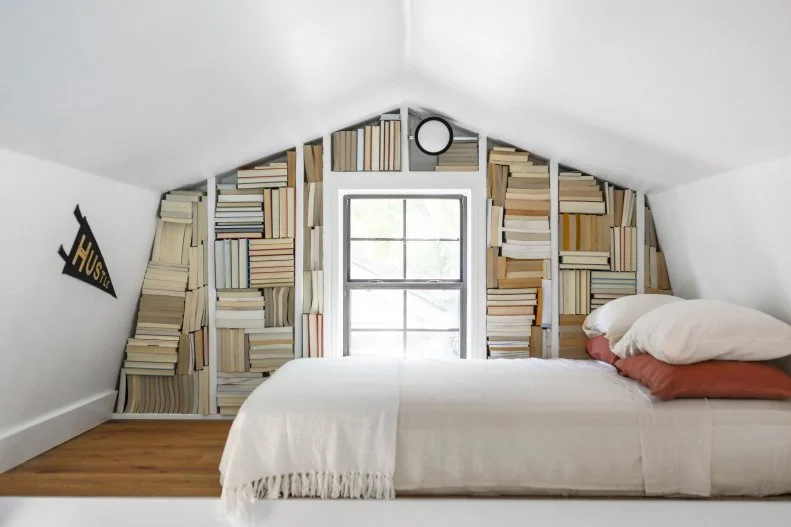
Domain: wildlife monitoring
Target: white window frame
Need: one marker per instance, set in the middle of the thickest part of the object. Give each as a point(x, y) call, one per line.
point(472, 185)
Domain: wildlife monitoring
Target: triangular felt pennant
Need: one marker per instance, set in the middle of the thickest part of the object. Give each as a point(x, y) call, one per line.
point(85, 261)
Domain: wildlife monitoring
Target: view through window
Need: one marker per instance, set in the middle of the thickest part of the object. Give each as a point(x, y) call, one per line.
point(404, 276)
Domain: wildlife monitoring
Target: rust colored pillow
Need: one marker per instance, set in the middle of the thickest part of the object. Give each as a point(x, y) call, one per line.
point(598, 348)
point(714, 379)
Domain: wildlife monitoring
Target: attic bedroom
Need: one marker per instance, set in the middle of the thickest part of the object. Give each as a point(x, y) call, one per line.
point(395, 262)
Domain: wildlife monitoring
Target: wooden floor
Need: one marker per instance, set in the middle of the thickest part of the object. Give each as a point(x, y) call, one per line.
point(127, 458)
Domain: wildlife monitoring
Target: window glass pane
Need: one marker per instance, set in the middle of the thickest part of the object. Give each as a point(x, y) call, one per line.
point(433, 260)
point(433, 218)
point(376, 260)
point(376, 218)
point(377, 309)
point(377, 343)
point(432, 344)
point(427, 309)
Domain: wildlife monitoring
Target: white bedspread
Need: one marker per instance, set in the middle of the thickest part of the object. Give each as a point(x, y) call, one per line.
point(316, 428)
point(497, 427)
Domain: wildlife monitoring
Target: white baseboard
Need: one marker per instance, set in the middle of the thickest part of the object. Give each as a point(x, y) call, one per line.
point(41, 434)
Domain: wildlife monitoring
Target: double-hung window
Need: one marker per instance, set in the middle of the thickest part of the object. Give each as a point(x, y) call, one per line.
point(405, 276)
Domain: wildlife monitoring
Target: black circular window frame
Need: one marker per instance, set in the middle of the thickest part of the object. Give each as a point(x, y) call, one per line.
point(417, 133)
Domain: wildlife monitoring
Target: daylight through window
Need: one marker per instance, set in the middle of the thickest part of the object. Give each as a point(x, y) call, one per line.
point(404, 276)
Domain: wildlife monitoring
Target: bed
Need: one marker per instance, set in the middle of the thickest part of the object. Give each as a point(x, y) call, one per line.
point(370, 428)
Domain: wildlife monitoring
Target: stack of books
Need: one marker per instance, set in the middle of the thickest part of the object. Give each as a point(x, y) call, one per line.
point(279, 213)
point(272, 262)
point(279, 306)
point(151, 356)
point(585, 260)
point(584, 232)
point(609, 285)
point(462, 156)
point(313, 247)
point(239, 213)
point(574, 292)
point(623, 248)
point(580, 194)
point(313, 335)
point(572, 338)
point(177, 394)
point(234, 388)
point(371, 147)
point(240, 309)
point(270, 348)
point(159, 320)
point(164, 362)
point(510, 313)
point(271, 175)
point(232, 264)
point(657, 280)
point(231, 351)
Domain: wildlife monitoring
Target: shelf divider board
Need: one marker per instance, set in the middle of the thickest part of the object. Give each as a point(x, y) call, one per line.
point(211, 205)
point(554, 226)
point(330, 302)
point(299, 250)
point(477, 349)
point(640, 213)
point(405, 138)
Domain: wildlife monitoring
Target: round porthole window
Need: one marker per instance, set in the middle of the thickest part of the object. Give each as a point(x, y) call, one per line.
point(433, 135)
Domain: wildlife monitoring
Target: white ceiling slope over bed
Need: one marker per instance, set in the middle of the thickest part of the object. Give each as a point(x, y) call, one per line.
point(650, 94)
point(162, 93)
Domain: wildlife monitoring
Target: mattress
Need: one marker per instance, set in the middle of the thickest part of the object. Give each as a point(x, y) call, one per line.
point(565, 427)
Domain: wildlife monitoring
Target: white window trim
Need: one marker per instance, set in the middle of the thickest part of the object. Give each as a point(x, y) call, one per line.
point(469, 184)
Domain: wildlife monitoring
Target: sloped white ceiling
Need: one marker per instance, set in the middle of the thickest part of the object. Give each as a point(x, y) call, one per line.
point(159, 93)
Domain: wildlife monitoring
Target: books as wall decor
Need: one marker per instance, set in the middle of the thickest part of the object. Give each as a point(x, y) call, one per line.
point(374, 146)
point(518, 254)
point(254, 273)
point(313, 246)
point(165, 367)
point(462, 156)
point(597, 238)
point(657, 280)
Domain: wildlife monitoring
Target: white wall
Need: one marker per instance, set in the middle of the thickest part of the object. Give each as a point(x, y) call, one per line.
point(62, 339)
point(727, 237)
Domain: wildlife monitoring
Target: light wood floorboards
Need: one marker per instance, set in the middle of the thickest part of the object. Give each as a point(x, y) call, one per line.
point(127, 458)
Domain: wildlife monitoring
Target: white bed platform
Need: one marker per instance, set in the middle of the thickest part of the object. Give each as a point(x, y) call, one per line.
point(506, 428)
point(402, 512)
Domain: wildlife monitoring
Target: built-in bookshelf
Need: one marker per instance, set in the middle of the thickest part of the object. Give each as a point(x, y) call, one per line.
point(597, 251)
point(254, 263)
point(518, 259)
point(656, 278)
point(312, 304)
point(166, 366)
point(370, 146)
point(461, 156)
point(236, 286)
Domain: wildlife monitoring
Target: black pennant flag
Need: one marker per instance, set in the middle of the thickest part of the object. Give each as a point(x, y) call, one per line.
point(85, 261)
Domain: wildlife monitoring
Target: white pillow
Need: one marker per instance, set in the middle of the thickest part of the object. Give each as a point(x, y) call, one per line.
point(614, 318)
point(700, 330)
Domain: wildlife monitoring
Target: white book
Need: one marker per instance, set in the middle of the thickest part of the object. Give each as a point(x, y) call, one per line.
point(219, 263)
